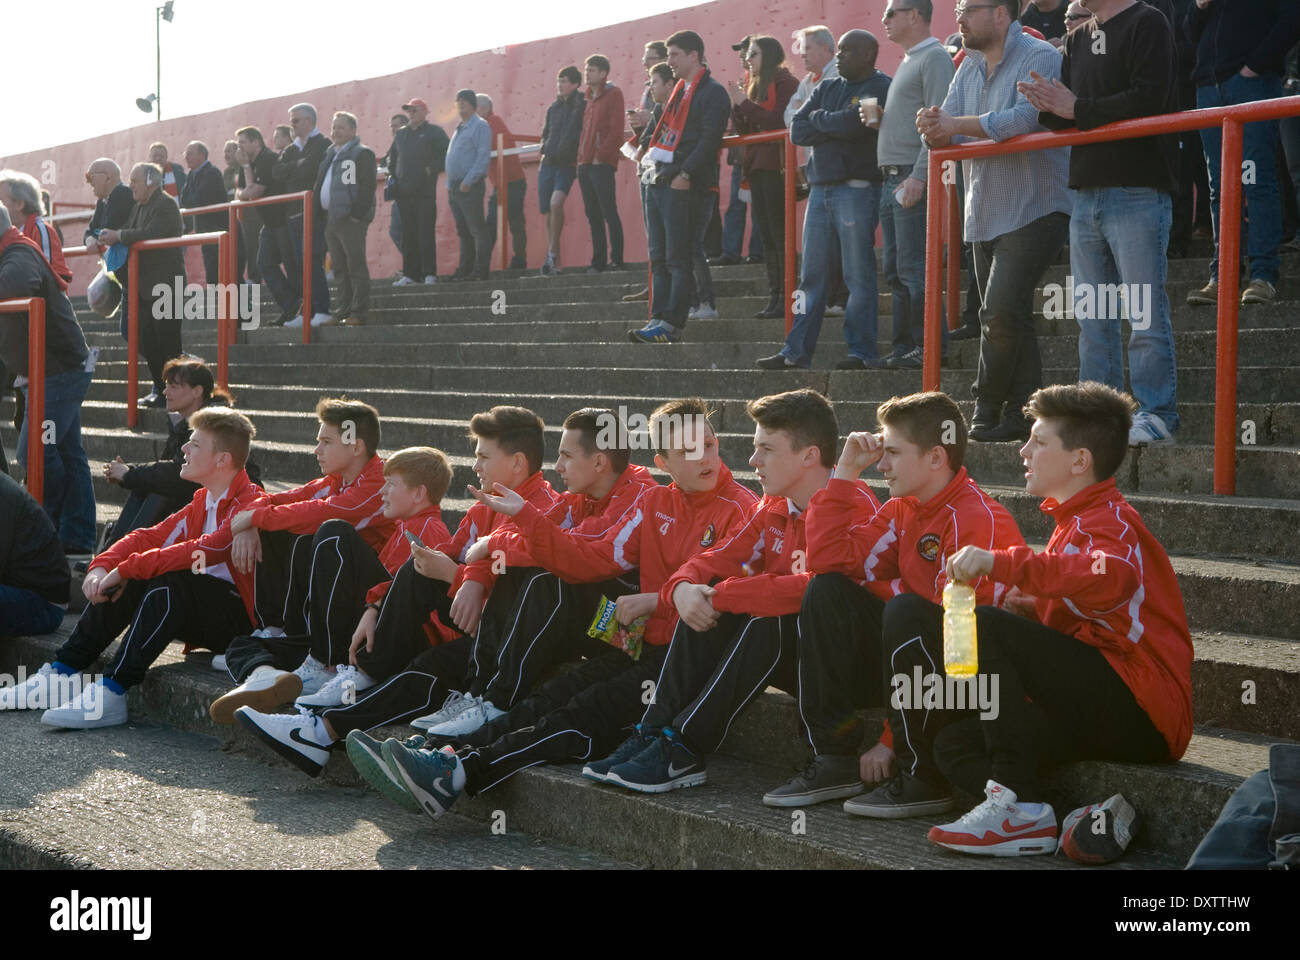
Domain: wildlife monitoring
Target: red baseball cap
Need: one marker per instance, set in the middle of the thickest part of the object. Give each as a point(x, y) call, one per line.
point(416, 102)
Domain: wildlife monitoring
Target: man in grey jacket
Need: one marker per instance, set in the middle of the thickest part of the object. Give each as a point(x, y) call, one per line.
point(345, 200)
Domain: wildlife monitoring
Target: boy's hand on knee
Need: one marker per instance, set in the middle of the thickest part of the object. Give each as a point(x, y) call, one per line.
point(876, 765)
point(467, 606)
point(246, 550)
point(364, 634)
point(1021, 604)
point(694, 602)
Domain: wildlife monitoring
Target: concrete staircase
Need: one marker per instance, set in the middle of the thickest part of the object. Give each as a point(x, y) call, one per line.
point(432, 357)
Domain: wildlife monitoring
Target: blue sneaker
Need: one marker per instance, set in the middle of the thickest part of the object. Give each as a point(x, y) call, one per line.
point(598, 770)
point(654, 333)
point(664, 765)
point(367, 756)
point(434, 778)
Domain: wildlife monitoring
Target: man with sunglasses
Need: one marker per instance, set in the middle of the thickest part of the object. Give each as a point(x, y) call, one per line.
point(921, 81)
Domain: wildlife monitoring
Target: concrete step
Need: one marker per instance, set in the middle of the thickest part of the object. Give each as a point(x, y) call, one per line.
point(724, 824)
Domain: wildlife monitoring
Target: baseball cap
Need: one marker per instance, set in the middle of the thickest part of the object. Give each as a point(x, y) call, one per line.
point(743, 43)
point(416, 102)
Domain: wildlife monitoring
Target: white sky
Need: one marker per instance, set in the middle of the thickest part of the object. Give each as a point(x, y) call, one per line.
point(93, 58)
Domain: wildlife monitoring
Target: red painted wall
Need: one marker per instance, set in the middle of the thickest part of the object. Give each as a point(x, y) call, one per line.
point(520, 80)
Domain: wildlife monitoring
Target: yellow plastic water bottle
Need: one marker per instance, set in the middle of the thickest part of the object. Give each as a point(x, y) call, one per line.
point(960, 651)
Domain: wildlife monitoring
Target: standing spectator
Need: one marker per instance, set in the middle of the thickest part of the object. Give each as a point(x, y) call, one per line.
point(230, 173)
point(738, 206)
point(295, 172)
point(21, 196)
point(559, 157)
point(173, 174)
point(249, 222)
point(516, 188)
point(1240, 57)
point(345, 202)
point(684, 149)
point(155, 216)
point(1119, 227)
point(281, 137)
point(843, 202)
point(1289, 130)
point(396, 122)
point(598, 156)
point(921, 81)
point(34, 578)
point(257, 180)
point(1047, 17)
point(468, 157)
point(113, 203)
point(69, 495)
point(1192, 201)
point(661, 88)
point(639, 117)
point(420, 150)
point(1016, 233)
point(204, 186)
point(759, 105)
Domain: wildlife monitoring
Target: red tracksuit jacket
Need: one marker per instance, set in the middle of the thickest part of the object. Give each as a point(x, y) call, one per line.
point(1123, 600)
point(481, 521)
point(772, 545)
point(433, 533)
point(303, 509)
point(665, 529)
point(901, 546)
point(177, 542)
point(578, 515)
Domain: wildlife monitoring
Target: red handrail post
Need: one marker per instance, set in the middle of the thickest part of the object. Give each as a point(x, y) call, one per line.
point(954, 254)
point(934, 213)
point(232, 253)
point(224, 246)
point(132, 334)
point(791, 165)
point(308, 202)
point(502, 200)
point(1225, 374)
point(36, 399)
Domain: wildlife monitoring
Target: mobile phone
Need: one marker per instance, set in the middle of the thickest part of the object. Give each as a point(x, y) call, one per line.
point(414, 540)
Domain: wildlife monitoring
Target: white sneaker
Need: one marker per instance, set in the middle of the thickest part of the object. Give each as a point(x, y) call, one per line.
point(999, 827)
point(835, 311)
point(404, 281)
point(31, 693)
point(298, 737)
point(430, 280)
point(323, 320)
point(294, 324)
point(705, 311)
point(478, 713)
point(343, 689)
point(265, 689)
point(1149, 430)
point(219, 662)
point(313, 674)
point(455, 704)
point(96, 706)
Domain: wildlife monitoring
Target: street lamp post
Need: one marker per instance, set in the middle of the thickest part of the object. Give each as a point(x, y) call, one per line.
point(160, 14)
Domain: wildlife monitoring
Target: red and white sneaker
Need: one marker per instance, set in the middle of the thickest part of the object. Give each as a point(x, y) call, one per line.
point(998, 827)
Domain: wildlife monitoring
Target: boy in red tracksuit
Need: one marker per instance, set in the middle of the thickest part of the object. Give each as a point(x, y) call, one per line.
point(1092, 649)
point(533, 617)
point(174, 580)
point(275, 534)
point(584, 712)
point(739, 607)
point(881, 569)
point(346, 578)
point(392, 644)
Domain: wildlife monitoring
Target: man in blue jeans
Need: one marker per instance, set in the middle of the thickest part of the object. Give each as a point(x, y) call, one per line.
point(467, 167)
point(844, 201)
point(679, 200)
point(1240, 56)
point(296, 171)
point(1123, 204)
point(34, 576)
point(69, 494)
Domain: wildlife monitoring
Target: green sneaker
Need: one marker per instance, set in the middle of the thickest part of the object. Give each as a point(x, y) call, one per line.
point(367, 756)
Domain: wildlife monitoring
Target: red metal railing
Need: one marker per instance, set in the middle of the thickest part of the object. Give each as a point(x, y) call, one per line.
point(503, 199)
point(230, 260)
point(34, 307)
point(1232, 120)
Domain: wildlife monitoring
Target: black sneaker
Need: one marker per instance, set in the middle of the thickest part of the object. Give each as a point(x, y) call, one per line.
point(826, 777)
point(663, 765)
point(154, 401)
point(907, 360)
point(726, 260)
point(598, 770)
point(899, 797)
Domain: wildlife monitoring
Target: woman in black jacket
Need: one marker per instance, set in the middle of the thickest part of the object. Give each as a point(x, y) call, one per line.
point(157, 490)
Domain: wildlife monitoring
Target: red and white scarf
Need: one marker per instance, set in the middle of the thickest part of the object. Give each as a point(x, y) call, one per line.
point(668, 133)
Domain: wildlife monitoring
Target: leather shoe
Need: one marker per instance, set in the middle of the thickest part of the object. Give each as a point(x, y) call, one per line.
point(1014, 427)
point(965, 332)
point(726, 260)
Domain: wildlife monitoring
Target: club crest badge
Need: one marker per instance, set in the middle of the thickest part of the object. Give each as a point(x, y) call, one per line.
point(707, 539)
point(928, 546)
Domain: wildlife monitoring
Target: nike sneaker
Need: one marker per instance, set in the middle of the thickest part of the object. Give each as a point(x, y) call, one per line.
point(435, 778)
point(599, 769)
point(1099, 832)
point(665, 764)
point(1000, 827)
point(367, 756)
point(298, 737)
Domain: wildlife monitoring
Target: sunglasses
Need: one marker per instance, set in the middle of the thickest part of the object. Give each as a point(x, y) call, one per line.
point(889, 14)
point(1078, 16)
